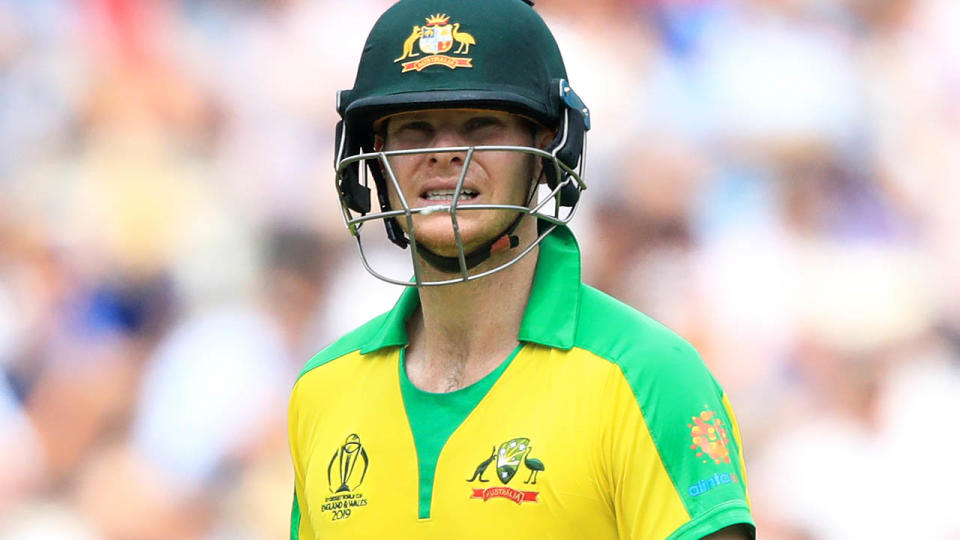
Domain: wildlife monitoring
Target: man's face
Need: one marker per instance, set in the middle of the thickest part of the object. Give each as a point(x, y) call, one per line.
point(429, 179)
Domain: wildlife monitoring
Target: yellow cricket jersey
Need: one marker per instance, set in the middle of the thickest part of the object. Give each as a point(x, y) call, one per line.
point(601, 424)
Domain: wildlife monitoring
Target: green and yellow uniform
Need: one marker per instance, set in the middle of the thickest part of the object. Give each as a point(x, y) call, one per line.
point(601, 424)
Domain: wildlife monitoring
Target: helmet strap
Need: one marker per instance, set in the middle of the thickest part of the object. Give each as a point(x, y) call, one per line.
point(451, 265)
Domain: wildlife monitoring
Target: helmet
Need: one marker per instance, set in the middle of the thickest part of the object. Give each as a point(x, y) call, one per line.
point(435, 54)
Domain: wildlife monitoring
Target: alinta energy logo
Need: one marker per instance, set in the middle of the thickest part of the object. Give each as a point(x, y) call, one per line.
point(345, 473)
point(508, 458)
point(709, 436)
point(705, 485)
point(433, 39)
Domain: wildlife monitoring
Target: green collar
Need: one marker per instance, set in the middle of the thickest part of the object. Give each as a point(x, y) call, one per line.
point(551, 315)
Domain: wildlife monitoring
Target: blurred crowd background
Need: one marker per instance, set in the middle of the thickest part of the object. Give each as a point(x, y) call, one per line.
point(777, 180)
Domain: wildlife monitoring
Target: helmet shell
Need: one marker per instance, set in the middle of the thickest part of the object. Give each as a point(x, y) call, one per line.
point(428, 54)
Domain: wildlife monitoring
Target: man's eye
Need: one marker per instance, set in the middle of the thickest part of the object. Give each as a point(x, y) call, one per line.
point(415, 128)
point(409, 134)
point(481, 122)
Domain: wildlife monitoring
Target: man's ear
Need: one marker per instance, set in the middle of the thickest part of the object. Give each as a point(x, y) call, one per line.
point(542, 139)
point(545, 137)
point(378, 142)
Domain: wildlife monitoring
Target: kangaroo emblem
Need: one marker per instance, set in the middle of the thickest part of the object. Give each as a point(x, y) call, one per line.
point(408, 44)
point(482, 467)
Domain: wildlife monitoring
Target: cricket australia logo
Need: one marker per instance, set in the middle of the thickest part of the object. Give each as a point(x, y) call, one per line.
point(433, 39)
point(508, 458)
point(345, 474)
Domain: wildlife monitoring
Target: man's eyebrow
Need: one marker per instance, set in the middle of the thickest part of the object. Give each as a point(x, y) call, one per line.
point(488, 116)
point(410, 123)
point(413, 115)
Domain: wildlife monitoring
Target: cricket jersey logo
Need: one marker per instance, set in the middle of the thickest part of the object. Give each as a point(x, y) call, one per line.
point(343, 470)
point(508, 457)
point(706, 484)
point(434, 39)
point(709, 436)
point(345, 474)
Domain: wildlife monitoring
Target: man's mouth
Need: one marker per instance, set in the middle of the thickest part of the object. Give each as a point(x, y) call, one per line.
point(447, 195)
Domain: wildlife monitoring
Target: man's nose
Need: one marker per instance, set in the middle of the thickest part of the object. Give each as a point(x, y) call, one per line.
point(448, 138)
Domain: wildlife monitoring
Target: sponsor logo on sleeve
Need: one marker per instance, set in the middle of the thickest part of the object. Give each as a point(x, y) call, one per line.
point(709, 437)
point(705, 485)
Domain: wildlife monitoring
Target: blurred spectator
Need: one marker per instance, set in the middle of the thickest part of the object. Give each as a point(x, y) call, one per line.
point(214, 392)
point(22, 464)
point(645, 239)
point(873, 382)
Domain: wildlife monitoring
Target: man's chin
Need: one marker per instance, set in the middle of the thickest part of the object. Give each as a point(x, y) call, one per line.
point(440, 239)
point(444, 243)
point(446, 247)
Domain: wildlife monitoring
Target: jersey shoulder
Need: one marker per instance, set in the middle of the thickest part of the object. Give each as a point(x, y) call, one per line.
point(646, 351)
point(350, 342)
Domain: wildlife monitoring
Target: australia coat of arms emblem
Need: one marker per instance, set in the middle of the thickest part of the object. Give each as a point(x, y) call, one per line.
point(433, 40)
point(507, 460)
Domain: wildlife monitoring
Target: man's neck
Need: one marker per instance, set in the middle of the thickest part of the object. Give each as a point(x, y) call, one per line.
point(464, 331)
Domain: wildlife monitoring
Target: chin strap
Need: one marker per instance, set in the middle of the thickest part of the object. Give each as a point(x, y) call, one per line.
point(451, 265)
point(504, 240)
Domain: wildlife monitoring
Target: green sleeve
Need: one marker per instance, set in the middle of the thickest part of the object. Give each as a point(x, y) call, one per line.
point(295, 518)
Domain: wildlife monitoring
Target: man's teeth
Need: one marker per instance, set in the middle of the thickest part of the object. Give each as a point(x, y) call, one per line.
point(447, 194)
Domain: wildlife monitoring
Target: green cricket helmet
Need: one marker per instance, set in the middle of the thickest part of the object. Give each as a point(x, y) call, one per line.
point(478, 54)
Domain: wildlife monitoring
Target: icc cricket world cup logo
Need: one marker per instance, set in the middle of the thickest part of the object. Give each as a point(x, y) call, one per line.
point(345, 473)
point(348, 466)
